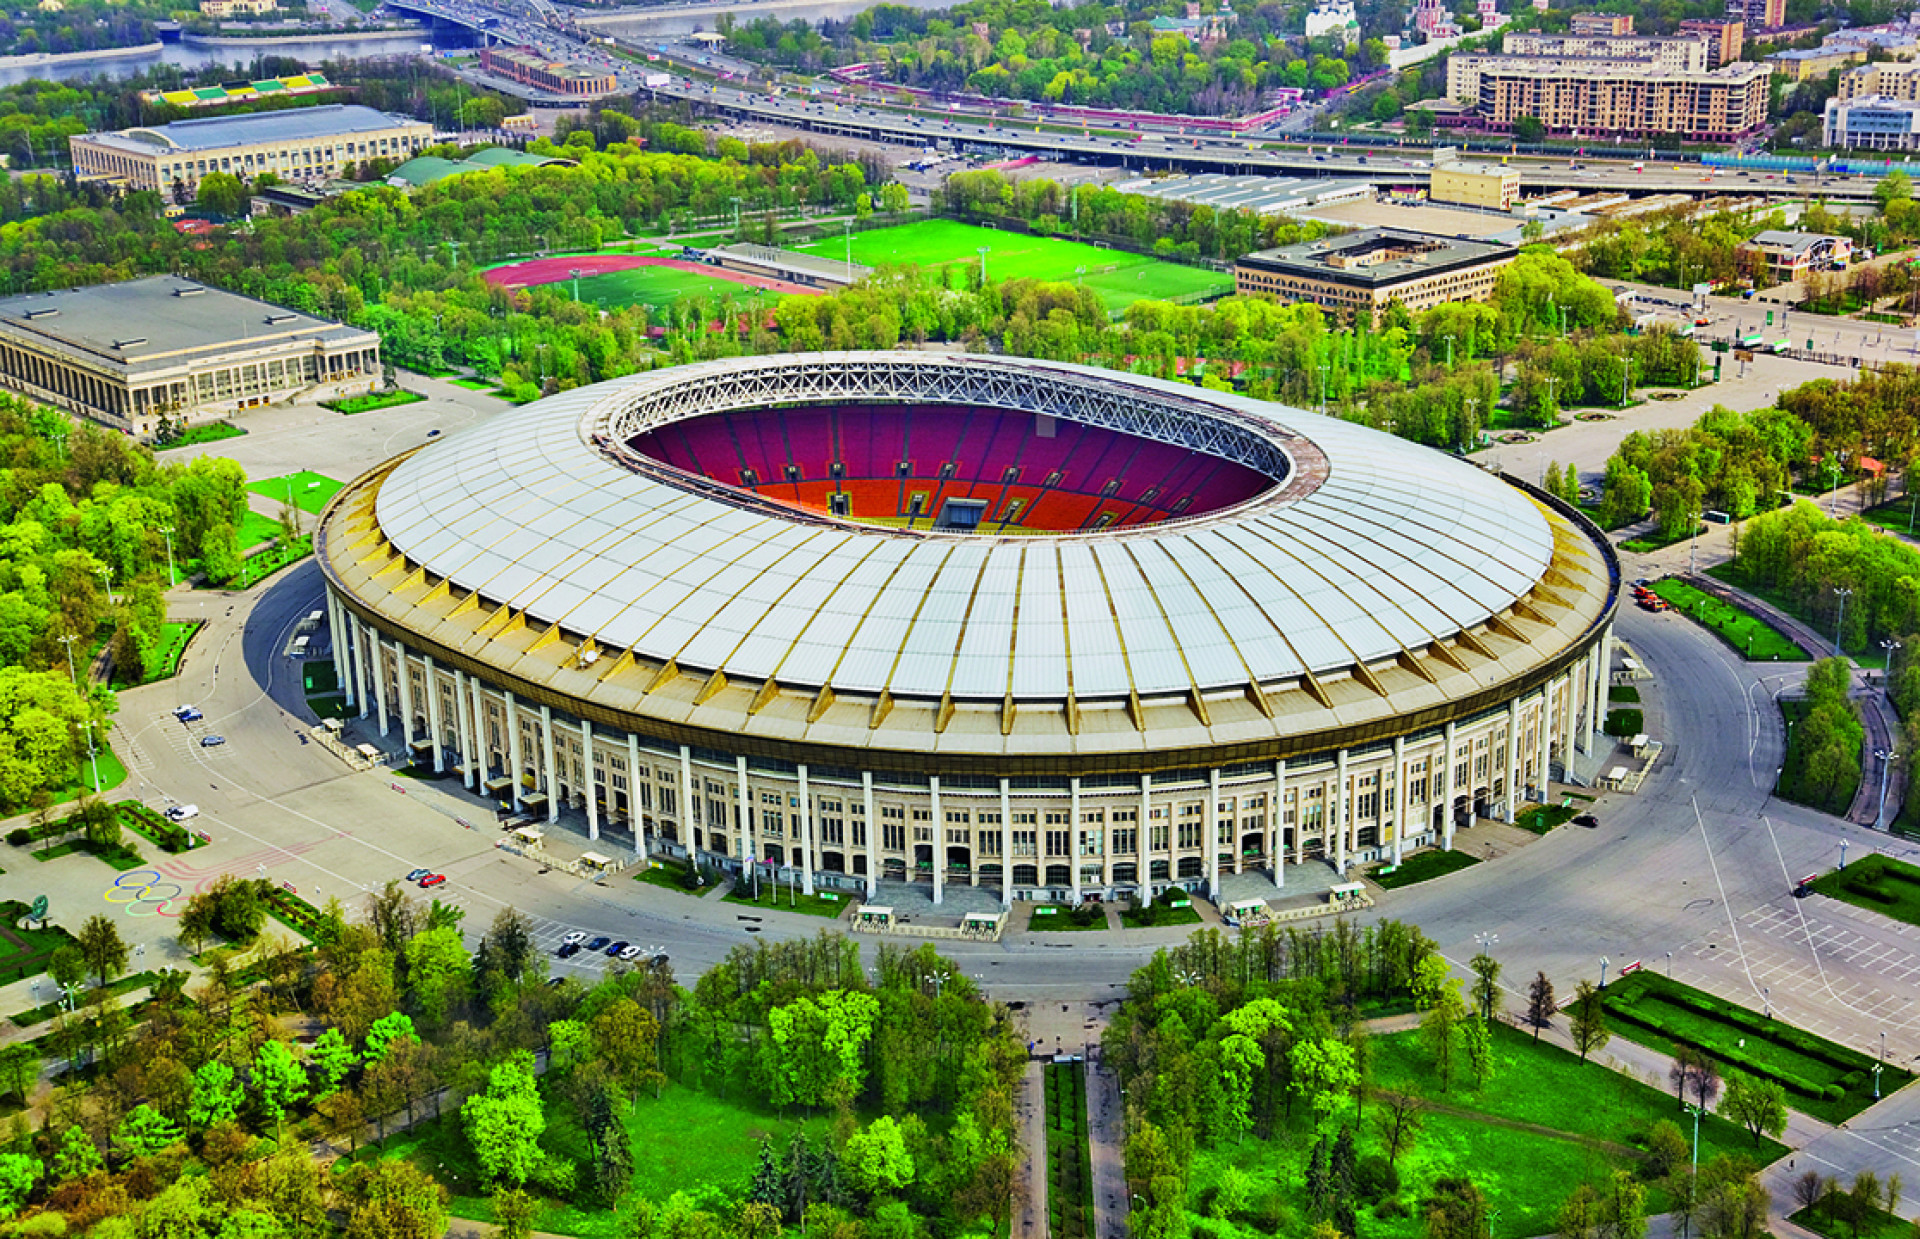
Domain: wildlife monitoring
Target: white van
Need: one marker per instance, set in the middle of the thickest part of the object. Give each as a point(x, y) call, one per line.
point(182, 812)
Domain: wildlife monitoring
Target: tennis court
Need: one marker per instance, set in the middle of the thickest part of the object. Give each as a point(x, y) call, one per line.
point(306, 490)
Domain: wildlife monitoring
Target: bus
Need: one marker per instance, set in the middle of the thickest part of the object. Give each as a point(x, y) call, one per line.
point(1752, 339)
point(1782, 345)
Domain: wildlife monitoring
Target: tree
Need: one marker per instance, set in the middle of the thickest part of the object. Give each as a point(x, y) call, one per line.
point(395, 1200)
point(1455, 1209)
point(1894, 186)
point(1680, 1072)
point(504, 1123)
point(1588, 1024)
point(1758, 1105)
point(333, 1058)
point(1486, 985)
point(1729, 1202)
point(1477, 1038)
point(436, 970)
point(278, 1081)
point(1540, 1004)
point(1528, 129)
point(508, 947)
point(101, 946)
point(1579, 1215)
point(145, 1131)
point(1438, 1028)
point(1809, 1188)
point(876, 1158)
point(513, 1213)
point(19, 1068)
point(216, 1095)
point(1398, 1120)
point(18, 1174)
point(386, 1031)
point(78, 1157)
point(1704, 1082)
point(1323, 1073)
point(1666, 1149)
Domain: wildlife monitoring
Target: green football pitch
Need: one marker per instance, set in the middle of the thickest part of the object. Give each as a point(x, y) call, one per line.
point(1119, 277)
point(654, 287)
point(307, 490)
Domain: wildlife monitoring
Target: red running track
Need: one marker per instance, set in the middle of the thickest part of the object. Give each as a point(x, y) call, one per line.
point(557, 270)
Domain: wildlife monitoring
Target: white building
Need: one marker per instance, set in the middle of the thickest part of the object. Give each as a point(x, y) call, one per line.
point(1333, 17)
point(1872, 123)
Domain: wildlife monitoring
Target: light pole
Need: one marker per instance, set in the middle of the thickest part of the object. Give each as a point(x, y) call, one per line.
point(1880, 814)
point(847, 226)
point(1843, 853)
point(1766, 1000)
point(575, 272)
point(168, 531)
point(93, 754)
point(1697, 1112)
point(983, 251)
point(68, 641)
point(1324, 367)
point(106, 574)
point(1669, 965)
point(1449, 352)
point(1839, 624)
point(1604, 961)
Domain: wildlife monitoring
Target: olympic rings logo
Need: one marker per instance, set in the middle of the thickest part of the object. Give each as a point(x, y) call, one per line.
point(145, 892)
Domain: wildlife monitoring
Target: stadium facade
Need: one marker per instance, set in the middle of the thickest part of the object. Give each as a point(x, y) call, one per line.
point(957, 619)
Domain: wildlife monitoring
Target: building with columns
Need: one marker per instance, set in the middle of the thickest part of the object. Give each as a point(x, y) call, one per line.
point(954, 619)
point(131, 354)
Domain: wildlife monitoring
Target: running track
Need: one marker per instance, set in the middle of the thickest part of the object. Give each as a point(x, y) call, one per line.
point(558, 270)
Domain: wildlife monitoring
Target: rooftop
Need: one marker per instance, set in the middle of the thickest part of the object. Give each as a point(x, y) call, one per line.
point(158, 321)
point(292, 124)
point(1792, 242)
point(792, 260)
point(426, 169)
point(1614, 69)
point(1378, 256)
point(1265, 195)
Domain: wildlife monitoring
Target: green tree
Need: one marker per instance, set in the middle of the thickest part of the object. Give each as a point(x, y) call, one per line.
point(145, 1131)
point(18, 1174)
point(389, 1029)
point(1758, 1105)
point(1540, 1005)
point(876, 1158)
point(1588, 1022)
point(1439, 1029)
point(504, 1122)
point(1528, 129)
point(216, 1095)
point(334, 1059)
point(278, 1080)
point(77, 1157)
point(436, 970)
point(223, 194)
point(102, 948)
point(513, 1212)
point(1323, 1073)
point(1893, 187)
point(1486, 985)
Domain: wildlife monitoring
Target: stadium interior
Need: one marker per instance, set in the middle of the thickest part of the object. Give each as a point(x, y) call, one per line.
point(953, 467)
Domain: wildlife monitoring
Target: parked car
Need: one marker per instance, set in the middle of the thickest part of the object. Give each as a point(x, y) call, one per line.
point(187, 714)
point(616, 948)
point(598, 943)
point(1588, 820)
point(212, 742)
point(568, 950)
point(417, 874)
point(432, 880)
point(575, 938)
point(632, 953)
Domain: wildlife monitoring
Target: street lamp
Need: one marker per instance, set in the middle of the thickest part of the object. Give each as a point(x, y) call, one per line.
point(983, 251)
point(1697, 1112)
point(1886, 761)
point(576, 283)
point(106, 574)
point(168, 531)
point(1604, 961)
point(68, 641)
point(1766, 1000)
point(1839, 624)
point(1843, 853)
point(1669, 965)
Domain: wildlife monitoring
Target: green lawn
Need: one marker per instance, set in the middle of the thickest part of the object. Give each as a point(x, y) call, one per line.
point(318, 675)
point(255, 530)
point(306, 490)
point(826, 904)
point(371, 401)
point(1119, 277)
point(1879, 1224)
point(1896, 515)
point(1878, 884)
point(1793, 783)
point(1423, 866)
point(24, 952)
point(257, 568)
point(1060, 920)
point(1603, 1119)
point(1664, 1015)
point(1542, 818)
point(1159, 916)
point(1069, 1155)
point(1755, 639)
point(1821, 623)
point(112, 775)
point(206, 432)
point(474, 384)
point(681, 1140)
point(654, 287)
point(1624, 693)
point(1654, 542)
point(164, 661)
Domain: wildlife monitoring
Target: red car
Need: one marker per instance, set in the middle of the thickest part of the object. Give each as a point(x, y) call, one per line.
point(432, 879)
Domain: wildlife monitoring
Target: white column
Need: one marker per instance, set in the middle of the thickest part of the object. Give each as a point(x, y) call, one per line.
point(1277, 823)
point(463, 714)
point(514, 755)
point(1596, 697)
point(1447, 792)
point(433, 713)
point(1513, 756)
point(873, 834)
point(1605, 680)
point(548, 763)
point(634, 818)
point(1543, 734)
point(1145, 850)
point(1400, 802)
point(379, 665)
point(1340, 815)
point(742, 833)
point(405, 679)
point(806, 834)
point(1006, 844)
point(939, 840)
point(1073, 835)
point(480, 756)
point(691, 809)
point(356, 647)
point(1567, 716)
point(337, 638)
point(586, 749)
point(1211, 820)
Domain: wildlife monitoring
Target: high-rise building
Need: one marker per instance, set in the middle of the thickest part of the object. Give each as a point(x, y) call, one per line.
point(1870, 122)
point(1725, 37)
point(1602, 23)
point(1758, 14)
point(1885, 80)
point(1683, 54)
point(1603, 97)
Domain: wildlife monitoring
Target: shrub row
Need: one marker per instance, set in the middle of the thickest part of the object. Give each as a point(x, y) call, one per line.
point(292, 910)
point(1786, 1036)
point(1737, 1057)
point(153, 826)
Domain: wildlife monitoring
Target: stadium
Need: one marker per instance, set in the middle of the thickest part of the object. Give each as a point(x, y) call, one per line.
point(1026, 629)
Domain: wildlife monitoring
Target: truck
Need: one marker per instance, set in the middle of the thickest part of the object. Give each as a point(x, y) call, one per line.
point(654, 81)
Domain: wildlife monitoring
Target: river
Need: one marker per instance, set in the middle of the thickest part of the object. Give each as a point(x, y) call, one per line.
point(309, 51)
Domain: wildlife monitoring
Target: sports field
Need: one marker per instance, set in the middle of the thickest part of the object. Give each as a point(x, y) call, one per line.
point(1120, 278)
point(615, 281)
point(654, 287)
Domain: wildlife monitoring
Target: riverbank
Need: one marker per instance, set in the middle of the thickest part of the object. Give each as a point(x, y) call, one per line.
point(411, 34)
point(64, 58)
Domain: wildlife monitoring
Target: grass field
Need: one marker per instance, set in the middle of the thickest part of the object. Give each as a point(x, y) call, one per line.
point(255, 529)
point(1120, 278)
point(655, 287)
point(1060, 920)
point(1542, 818)
point(1754, 639)
point(311, 491)
point(1827, 1081)
point(206, 432)
point(1837, 1223)
point(1878, 884)
point(827, 905)
point(473, 384)
point(1600, 1120)
point(373, 400)
point(1423, 867)
point(1822, 622)
point(681, 1140)
point(165, 659)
